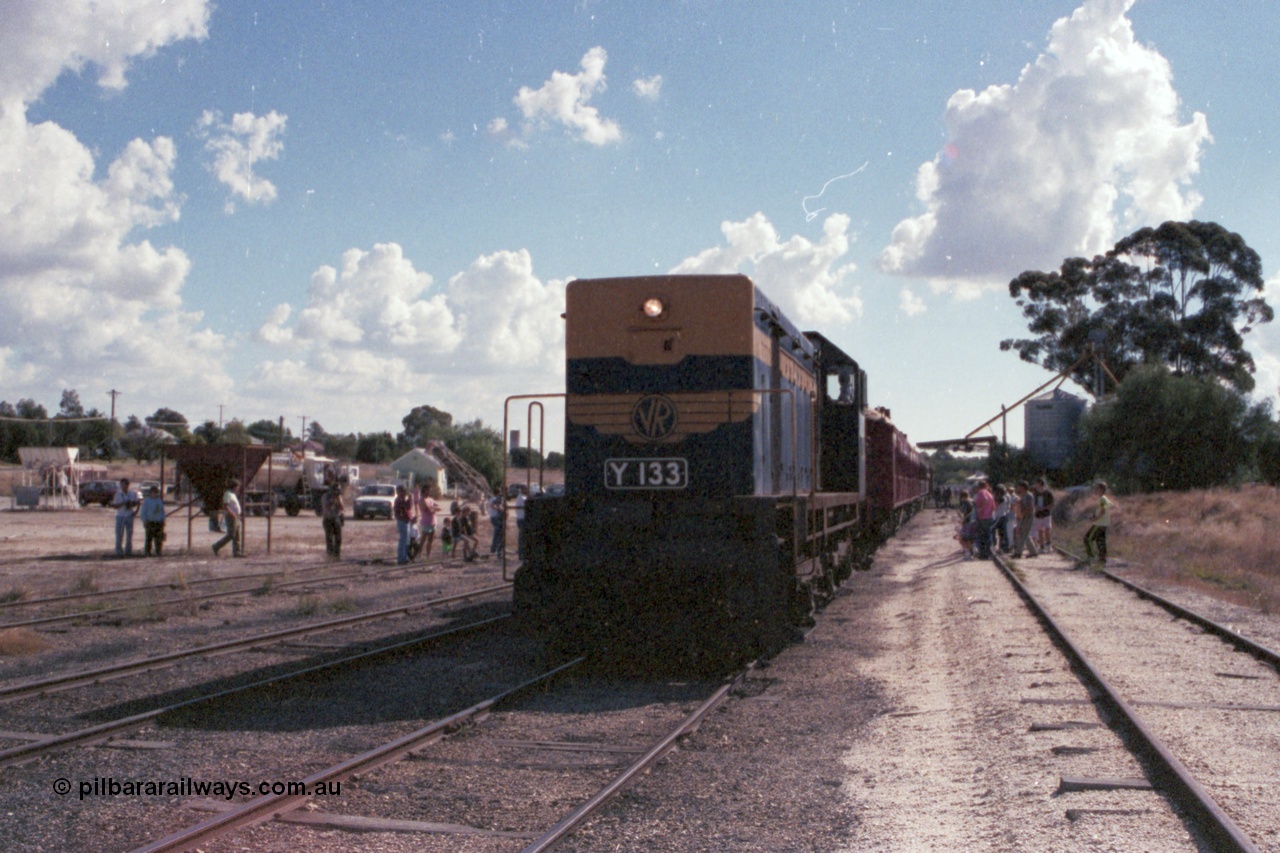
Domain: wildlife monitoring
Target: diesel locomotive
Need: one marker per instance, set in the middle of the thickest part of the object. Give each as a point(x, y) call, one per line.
point(722, 473)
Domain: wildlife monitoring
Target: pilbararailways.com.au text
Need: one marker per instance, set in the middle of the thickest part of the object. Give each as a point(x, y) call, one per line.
point(185, 786)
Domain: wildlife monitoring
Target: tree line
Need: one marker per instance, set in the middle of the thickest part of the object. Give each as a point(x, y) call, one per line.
point(28, 424)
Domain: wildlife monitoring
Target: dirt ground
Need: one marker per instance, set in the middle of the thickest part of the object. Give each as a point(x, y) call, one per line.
point(48, 552)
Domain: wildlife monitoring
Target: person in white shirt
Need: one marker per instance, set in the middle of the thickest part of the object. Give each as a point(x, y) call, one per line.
point(231, 509)
point(126, 503)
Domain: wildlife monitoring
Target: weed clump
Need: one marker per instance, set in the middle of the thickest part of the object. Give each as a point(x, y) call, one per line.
point(15, 642)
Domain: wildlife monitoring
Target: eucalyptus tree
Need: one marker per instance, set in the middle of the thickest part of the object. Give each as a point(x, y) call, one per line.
point(1183, 295)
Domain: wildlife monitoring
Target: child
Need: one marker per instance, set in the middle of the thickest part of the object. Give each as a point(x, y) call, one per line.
point(1097, 534)
point(153, 521)
point(460, 527)
point(968, 525)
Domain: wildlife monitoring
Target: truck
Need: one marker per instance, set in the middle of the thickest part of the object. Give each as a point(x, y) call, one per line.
point(295, 481)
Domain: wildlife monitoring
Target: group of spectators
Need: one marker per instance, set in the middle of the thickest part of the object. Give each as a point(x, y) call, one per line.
point(1018, 520)
point(416, 515)
point(1006, 519)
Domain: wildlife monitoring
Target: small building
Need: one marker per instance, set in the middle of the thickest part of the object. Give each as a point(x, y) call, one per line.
point(1051, 427)
point(50, 478)
point(419, 467)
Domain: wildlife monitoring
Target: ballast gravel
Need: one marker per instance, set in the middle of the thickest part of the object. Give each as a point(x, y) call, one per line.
point(925, 711)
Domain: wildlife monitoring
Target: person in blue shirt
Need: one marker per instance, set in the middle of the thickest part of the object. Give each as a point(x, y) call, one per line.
point(152, 516)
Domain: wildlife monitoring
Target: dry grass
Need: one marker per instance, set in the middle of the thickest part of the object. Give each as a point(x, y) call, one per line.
point(21, 641)
point(86, 581)
point(1223, 542)
point(14, 593)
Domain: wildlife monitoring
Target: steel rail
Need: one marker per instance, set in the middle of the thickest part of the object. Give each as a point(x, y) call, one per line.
point(67, 681)
point(103, 593)
point(105, 731)
point(687, 726)
point(1168, 772)
point(1229, 634)
point(268, 806)
point(186, 599)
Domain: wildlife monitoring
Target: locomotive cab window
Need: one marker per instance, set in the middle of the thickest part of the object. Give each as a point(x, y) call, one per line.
point(842, 388)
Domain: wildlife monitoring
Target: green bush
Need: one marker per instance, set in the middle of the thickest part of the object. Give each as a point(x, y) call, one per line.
point(1161, 431)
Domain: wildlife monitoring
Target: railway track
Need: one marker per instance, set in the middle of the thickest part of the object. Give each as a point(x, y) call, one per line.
point(100, 732)
point(186, 583)
point(110, 672)
point(281, 806)
point(1225, 632)
point(1203, 719)
point(96, 613)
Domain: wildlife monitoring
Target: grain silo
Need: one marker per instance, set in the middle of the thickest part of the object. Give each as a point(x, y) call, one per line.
point(1051, 422)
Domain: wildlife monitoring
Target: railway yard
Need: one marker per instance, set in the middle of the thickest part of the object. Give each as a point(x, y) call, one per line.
point(927, 709)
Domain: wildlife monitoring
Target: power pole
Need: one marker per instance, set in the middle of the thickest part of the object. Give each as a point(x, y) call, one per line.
point(220, 405)
point(111, 439)
point(304, 428)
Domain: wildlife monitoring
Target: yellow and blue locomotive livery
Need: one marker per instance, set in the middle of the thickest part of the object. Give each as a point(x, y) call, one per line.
point(714, 474)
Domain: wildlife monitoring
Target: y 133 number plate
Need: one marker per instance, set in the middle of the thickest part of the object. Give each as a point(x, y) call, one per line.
point(646, 474)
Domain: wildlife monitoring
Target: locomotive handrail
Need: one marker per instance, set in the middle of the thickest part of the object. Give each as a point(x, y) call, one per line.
point(506, 455)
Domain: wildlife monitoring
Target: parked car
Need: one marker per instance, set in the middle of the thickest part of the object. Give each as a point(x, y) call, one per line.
point(515, 490)
point(375, 500)
point(98, 492)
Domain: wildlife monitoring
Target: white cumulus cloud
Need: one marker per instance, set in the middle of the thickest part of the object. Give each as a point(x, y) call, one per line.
point(648, 88)
point(42, 38)
point(375, 329)
point(510, 317)
point(375, 300)
point(563, 100)
point(239, 145)
point(1263, 343)
point(910, 304)
point(1087, 145)
point(87, 302)
point(804, 277)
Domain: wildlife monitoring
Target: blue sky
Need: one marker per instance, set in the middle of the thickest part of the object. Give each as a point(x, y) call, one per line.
point(345, 210)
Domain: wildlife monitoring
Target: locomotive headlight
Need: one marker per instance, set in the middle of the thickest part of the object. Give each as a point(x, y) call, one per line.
point(653, 307)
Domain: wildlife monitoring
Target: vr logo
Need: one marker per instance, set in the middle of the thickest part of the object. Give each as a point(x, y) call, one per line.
point(654, 417)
